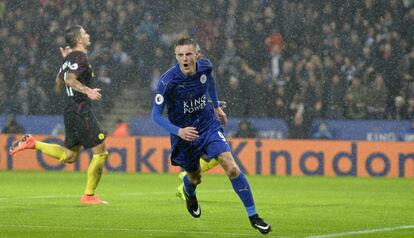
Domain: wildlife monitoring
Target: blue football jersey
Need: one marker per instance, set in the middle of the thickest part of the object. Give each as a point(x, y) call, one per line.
point(186, 98)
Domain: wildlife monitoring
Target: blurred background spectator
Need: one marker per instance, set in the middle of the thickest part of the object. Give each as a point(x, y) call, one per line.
point(408, 134)
point(121, 129)
point(12, 126)
point(323, 132)
point(58, 130)
point(245, 130)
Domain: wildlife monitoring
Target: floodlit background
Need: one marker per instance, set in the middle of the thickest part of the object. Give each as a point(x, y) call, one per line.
point(288, 69)
point(296, 62)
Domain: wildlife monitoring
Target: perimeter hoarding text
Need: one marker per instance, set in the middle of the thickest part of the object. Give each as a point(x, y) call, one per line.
point(255, 157)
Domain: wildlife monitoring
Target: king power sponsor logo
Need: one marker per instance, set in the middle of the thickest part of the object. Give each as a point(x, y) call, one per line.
point(254, 157)
point(194, 105)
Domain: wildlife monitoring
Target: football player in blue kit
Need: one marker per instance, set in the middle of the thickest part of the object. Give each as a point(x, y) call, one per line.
point(206, 163)
point(195, 127)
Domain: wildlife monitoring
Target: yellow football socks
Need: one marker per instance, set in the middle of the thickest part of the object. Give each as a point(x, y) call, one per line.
point(95, 172)
point(207, 165)
point(53, 150)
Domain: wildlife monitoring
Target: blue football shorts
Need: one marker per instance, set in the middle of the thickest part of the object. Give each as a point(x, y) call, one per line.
point(186, 154)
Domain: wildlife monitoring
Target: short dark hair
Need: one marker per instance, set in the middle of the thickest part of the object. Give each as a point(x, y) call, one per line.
point(186, 41)
point(71, 34)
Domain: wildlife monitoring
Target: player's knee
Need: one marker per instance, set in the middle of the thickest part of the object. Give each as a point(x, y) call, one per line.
point(230, 167)
point(233, 171)
point(197, 182)
point(68, 159)
point(101, 156)
point(70, 155)
point(105, 155)
point(198, 179)
point(195, 179)
point(100, 150)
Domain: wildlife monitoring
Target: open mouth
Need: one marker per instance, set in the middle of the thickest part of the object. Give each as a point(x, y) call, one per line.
point(185, 65)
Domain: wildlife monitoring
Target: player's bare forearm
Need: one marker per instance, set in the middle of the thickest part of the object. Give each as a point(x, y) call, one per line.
point(72, 82)
point(59, 85)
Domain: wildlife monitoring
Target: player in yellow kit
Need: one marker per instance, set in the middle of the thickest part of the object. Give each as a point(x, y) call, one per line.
point(81, 125)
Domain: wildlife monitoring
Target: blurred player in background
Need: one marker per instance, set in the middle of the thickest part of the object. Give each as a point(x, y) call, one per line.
point(195, 129)
point(81, 126)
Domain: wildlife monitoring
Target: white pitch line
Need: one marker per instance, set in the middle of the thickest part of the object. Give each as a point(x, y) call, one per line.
point(112, 229)
point(350, 233)
point(118, 194)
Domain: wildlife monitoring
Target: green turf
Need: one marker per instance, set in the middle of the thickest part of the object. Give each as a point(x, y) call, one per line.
point(46, 204)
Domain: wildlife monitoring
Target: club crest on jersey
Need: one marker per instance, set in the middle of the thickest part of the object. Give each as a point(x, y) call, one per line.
point(159, 99)
point(203, 78)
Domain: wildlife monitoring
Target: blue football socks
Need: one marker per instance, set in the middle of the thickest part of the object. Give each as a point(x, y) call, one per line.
point(189, 187)
point(242, 188)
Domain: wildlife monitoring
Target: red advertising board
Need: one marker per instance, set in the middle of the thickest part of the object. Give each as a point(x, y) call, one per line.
point(255, 157)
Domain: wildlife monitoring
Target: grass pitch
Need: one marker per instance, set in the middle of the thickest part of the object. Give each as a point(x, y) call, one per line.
point(46, 204)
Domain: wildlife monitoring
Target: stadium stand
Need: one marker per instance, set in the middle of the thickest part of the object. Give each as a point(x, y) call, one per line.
point(296, 61)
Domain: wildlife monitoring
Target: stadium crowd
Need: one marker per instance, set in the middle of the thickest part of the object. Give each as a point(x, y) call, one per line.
point(295, 60)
